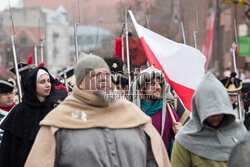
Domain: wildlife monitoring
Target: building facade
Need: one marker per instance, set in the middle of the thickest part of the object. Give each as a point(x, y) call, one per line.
point(36, 25)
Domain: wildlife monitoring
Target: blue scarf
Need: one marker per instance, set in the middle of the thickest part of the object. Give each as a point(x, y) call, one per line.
point(151, 108)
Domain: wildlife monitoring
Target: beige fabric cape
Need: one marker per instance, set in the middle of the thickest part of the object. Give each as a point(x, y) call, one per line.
point(114, 115)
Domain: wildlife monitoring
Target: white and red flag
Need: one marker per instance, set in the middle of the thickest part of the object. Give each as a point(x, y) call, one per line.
point(183, 65)
point(207, 46)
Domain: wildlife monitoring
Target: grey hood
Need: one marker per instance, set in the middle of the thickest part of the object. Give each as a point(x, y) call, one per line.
point(211, 98)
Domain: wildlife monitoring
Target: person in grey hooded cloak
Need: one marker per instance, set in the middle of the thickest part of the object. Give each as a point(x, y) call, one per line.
point(208, 137)
point(239, 156)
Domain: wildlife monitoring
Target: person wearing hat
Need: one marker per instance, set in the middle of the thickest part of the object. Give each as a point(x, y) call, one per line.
point(6, 99)
point(6, 95)
point(24, 67)
point(22, 123)
point(117, 75)
point(90, 129)
point(60, 92)
point(151, 92)
point(233, 86)
point(208, 138)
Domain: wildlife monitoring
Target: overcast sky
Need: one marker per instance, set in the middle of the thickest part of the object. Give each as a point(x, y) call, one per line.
point(4, 4)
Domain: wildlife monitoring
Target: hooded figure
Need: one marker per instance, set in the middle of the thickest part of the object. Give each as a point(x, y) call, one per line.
point(155, 107)
point(22, 123)
point(239, 156)
point(208, 137)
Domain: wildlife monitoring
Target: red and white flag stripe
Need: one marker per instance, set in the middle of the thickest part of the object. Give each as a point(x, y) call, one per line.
point(183, 65)
point(207, 46)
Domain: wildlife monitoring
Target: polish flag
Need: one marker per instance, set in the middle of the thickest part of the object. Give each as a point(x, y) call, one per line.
point(182, 65)
point(207, 46)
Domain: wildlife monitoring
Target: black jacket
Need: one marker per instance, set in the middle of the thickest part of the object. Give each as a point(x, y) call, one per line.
point(22, 123)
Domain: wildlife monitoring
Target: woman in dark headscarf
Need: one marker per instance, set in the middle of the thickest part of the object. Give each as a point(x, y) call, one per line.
point(22, 123)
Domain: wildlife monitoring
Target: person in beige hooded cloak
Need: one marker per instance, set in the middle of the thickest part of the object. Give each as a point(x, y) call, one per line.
point(91, 128)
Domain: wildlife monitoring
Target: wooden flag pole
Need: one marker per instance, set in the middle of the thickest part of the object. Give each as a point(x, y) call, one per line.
point(171, 112)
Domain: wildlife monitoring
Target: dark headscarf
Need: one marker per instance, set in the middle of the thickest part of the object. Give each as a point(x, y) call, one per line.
point(29, 88)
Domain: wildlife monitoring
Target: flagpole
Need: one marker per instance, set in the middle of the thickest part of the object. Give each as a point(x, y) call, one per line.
point(122, 43)
point(44, 41)
point(234, 59)
point(122, 34)
point(147, 22)
point(194, 34)
point(35, 53)
point(122, 37)
point(79, 13)
point(149, 29)
point(76, 42)
point(41, 42)
point(16, 69)
point(127, 47)
point(197, 19)
point(235, 70)
point(171, 112)
point(197, 29)
point(76, 33)
point(183, 33)
point(235, 31)
point(121, 12)
point(65, 80)
point(15, 57)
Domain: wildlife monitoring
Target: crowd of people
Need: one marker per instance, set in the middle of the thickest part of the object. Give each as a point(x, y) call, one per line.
point(106, 122)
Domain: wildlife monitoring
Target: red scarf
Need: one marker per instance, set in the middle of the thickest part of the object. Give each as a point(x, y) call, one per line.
point(7, 108)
